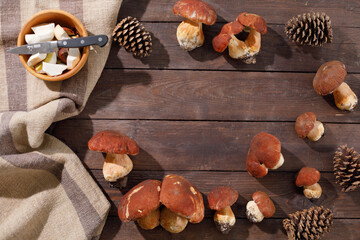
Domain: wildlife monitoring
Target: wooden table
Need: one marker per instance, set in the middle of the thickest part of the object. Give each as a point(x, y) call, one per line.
point(195, 113)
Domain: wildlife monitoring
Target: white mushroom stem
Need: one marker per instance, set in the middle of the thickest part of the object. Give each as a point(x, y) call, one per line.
point(280, 162)
point(345, 98)
point(316, 133)
point(253, 42)
point(253, 212)
point(245, 50)
point(172, 222)
point(190, 35)
point(151, 221)
point(225, 219)
point(116, 166)
point(313, 191)
point(237, 48)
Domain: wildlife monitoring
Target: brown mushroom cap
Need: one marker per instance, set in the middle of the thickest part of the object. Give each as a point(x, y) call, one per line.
point(140, 200)
point(307, 176)
point(222, 40)
point(182, 198)
point(221, 197)
point(264, 149)
point(254, 21)
point(329, 76)
point(113, 142)
point(264, 203)
point(196, 11)
point(304, 124)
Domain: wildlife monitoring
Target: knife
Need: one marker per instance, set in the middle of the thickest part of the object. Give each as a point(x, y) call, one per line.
point(50, 46)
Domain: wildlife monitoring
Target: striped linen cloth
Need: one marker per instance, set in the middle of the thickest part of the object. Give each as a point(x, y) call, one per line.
point(45, 192)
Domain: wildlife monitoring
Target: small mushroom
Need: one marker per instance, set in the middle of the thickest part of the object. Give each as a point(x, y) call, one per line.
point(308, 178)
point(221, 199)
point(261, 206)
point(239, 49)
point(307, 126)
point(117, 164)
point(189, 33)
point(329, 79)
point(183, 203)
point(142, 204)
point(264, 153)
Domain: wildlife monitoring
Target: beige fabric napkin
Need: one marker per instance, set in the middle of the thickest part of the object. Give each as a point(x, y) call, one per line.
point(45, 192)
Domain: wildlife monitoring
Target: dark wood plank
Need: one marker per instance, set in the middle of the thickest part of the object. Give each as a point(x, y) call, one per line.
point(269, 229)
point(203, 95)
point(173, 145)
point(277, 53)
point(280, 186)
point(342, 13)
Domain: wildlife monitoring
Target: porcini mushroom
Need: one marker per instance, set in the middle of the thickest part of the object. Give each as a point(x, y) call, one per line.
point(221, 199)
point(117, 164)
point(307, 126)
point(308, 178)
point(142, 204)
point(329, 79)
point(264, 153)
point(227, 39)
point(257, 26)
point(239, 49)
point(261, 206)
point(183, 203)
point(189, 33)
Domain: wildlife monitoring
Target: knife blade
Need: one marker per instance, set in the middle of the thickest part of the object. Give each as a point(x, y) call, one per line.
point(50, 46)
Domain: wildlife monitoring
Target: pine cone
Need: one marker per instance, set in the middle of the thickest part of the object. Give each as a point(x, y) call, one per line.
point(131, 35)
point(312, 29)
point(308, 224)
point(347, 168)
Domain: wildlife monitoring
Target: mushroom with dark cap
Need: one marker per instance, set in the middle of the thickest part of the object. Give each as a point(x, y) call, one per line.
point(329, 79)
point(221, 199)
point(182, 203)
point(264, 153)
point(189, 32)
point(239, 49)
point(117, 164)
point(261, 206)
point(307, 126)
point(308, 178)
point(142, 204)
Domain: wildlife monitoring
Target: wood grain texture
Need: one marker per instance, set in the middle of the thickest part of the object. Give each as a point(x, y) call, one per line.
point(177, 145)
point(277, 53)
point(342, 13)
point(212, 95)
point(195, 113)
point(269, 229)
point(280, 186)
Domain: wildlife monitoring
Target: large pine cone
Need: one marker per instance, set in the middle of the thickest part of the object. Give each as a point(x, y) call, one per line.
point(308, 224)
point(312, 29)
point(347, 168)
point(131, 35)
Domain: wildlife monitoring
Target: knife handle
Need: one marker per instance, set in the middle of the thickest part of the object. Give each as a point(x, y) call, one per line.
point(100, 40)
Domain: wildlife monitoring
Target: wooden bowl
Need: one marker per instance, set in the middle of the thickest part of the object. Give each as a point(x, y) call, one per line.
point(63, 18)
